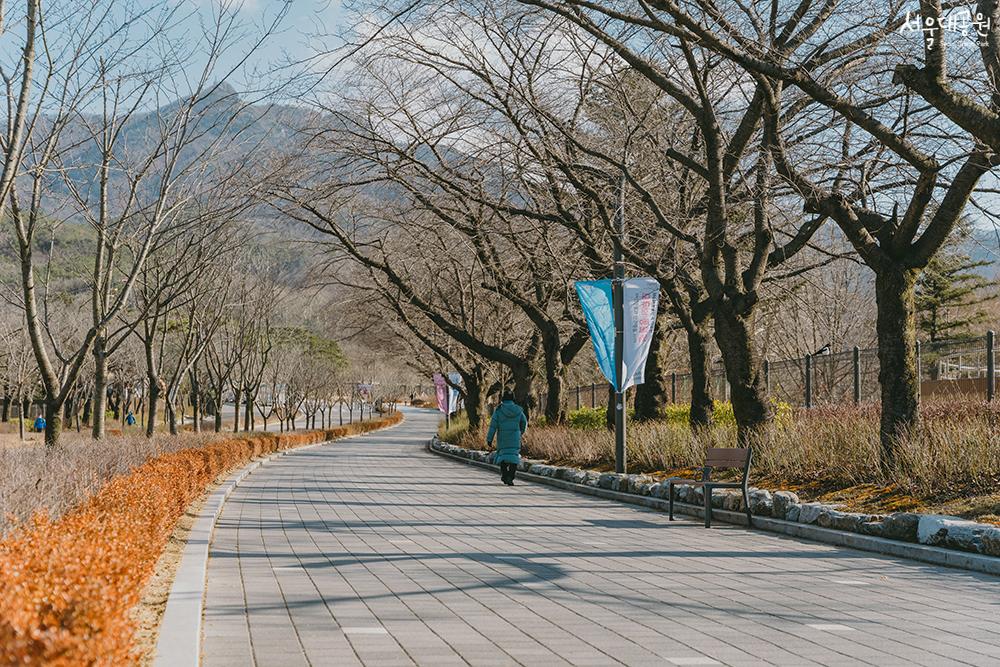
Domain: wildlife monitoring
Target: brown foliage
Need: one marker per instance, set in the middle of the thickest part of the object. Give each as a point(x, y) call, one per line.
point(69, 584)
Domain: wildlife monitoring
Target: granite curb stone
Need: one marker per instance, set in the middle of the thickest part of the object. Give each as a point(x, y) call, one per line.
point(948, 532)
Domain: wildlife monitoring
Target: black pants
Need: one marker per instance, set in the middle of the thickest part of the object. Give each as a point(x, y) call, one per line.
point(507, 472)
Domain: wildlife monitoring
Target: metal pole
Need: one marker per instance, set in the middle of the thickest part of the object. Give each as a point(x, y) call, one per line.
point(809, 382)
point(919, 370)
point(578, 397)
point(767, 376)
point(857, 375)
point(621, 465)
point(593, 395)
point(673, 387)
point(991, 367)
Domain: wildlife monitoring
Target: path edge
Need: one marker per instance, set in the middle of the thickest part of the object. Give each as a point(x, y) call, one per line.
point(178, 640)
point(880, 545)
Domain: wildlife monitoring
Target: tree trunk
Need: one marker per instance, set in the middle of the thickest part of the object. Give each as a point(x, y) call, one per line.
point(88, 406)
point(218, 412)
point(247, 413)
point(897, 375)
point(554, 372)
point(196, 406)
point(651, 395)
point(53, 422)
point(100, 388)
point(702, 405)
point(746, 381)
point(171, 414)
point(522, 388)
point(5, 409)
point(154, 399)
point(474, 403)
point(237, 394)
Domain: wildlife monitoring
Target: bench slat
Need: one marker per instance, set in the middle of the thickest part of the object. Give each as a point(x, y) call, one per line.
point(729, 457)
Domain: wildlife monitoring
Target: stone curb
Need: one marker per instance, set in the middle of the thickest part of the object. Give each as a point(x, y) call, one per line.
point(178, 643)
point(919, 552)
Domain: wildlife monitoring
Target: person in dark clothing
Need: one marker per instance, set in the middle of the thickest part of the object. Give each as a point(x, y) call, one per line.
point(508, 424)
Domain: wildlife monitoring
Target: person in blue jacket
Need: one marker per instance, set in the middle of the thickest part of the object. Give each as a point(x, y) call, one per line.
point(39, 424)
point(508, 424)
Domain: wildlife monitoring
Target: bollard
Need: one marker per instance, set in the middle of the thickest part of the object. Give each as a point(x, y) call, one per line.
point(673, 387)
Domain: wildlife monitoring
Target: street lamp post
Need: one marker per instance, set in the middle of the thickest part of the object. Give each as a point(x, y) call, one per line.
point(618, 298)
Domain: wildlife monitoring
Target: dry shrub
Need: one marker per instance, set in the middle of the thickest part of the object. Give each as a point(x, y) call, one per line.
point(956, 447)
point(69, 584)
point(57, 478)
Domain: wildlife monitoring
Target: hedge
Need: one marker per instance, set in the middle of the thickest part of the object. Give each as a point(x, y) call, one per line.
point(69, 585)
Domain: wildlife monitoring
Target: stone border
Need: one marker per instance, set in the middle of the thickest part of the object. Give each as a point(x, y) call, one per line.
point(178, 641)
point(881, 545)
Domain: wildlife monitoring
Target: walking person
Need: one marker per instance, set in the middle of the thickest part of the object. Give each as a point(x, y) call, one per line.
point(508, 424)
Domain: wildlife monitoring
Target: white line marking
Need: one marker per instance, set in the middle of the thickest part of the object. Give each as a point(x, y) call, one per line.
point(364, 631)
point(829, 627)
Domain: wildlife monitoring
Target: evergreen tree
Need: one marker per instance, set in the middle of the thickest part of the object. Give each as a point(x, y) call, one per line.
point(950, 289)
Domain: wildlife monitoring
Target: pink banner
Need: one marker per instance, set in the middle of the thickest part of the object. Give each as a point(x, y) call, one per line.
point(441, 389)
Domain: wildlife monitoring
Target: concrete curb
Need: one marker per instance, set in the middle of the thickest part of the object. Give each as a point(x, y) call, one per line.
point(880, 545)
point(178, 642)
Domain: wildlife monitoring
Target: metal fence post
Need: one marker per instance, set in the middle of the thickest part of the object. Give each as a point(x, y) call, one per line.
point(857, 375)
point(593, 396)
point(578, 397)
point(767, 376)
point(991, 367)
point(920, 370)
point(673, 387)
point(809, 383)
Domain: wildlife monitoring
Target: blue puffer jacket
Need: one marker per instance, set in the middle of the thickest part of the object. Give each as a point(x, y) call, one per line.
point(508, 424)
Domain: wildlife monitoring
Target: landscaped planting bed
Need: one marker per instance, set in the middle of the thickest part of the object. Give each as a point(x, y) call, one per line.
point(70, 584)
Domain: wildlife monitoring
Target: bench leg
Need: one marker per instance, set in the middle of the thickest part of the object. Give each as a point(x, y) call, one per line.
point(708, 506)
point(746, 504)
point(670, 501)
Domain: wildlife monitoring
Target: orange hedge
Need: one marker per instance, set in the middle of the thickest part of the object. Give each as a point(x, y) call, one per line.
point(67, 586)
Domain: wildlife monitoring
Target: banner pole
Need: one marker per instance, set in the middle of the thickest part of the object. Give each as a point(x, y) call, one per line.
point(618, 295)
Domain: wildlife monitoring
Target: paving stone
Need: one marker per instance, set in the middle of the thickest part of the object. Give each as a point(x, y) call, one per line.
point(437, 563)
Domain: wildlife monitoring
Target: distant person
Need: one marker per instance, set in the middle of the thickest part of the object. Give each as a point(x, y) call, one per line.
point(39, 424)
point(130, 418)
point(508, 424)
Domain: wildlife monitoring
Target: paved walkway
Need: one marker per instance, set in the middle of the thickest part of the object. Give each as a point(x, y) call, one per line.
point(373, 551)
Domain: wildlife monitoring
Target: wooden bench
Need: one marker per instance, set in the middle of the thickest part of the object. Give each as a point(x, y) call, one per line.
point(717, 458)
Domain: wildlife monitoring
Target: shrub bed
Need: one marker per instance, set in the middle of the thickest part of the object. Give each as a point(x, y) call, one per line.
point(69, 585)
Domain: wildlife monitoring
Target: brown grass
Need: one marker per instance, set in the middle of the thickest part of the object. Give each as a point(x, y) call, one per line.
point(829, 454)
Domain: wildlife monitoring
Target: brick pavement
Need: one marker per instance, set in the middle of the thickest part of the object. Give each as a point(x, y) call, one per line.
point(373, 551)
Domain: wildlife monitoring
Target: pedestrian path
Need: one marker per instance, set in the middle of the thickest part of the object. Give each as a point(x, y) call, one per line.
point(373, 551)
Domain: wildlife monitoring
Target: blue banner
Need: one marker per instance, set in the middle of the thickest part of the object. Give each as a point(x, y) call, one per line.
point(641, 299)
point(596, 299)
